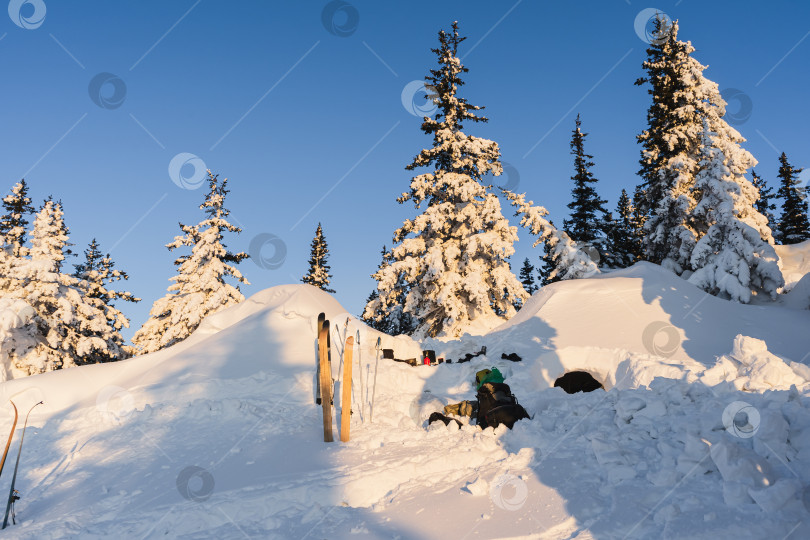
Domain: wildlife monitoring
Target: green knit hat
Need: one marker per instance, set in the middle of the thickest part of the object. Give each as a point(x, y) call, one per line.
point(488, 376)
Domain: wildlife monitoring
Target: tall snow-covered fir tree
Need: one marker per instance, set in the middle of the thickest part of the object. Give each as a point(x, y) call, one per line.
point(765, 204)
point(318, 274)
point(671, 148)
point(527, 277)
point(13, 227)
point(793, 223)
point(66, 325)
point(94, 277)
point(44, 288)
point(200, 286)
point(588, 214)
point(735, 256)
point(451, 261)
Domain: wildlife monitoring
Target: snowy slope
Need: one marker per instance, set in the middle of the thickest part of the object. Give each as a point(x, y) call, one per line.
point(219, 436)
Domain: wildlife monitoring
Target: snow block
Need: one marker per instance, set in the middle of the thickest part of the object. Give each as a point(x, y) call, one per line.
point(774, 497)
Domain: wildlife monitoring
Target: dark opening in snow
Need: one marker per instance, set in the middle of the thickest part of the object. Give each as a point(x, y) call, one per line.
point(577, 381)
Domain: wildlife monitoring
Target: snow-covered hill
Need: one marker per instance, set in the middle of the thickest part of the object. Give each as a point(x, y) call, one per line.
point(219, 436)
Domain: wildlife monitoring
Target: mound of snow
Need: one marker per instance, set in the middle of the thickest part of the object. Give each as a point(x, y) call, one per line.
point(644, 310)
point(799, 295)
point(273, 329)
point(794, 260)
point(750, 366)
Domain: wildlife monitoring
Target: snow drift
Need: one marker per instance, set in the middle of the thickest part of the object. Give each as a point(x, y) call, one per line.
point(703, 430)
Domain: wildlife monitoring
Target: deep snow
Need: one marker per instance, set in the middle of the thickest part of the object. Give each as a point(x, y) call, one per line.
point(219, 436)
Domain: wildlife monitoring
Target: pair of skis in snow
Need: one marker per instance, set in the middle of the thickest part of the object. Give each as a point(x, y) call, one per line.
point(325, 382)
point(13, 494)
point(325, 386)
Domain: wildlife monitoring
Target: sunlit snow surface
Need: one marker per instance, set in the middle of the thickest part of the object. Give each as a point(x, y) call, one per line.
point(702, 434)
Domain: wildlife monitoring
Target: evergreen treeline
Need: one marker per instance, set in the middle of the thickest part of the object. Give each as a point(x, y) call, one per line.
point(59, 319)
point(695, 212)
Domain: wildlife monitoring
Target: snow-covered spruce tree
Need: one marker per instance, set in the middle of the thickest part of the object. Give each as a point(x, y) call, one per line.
point(671, 148)
point(527, 277)
point(568, 260)
point(388, 314)
point(13, 227)
point(735, 255)
point(63, 317)
point(765, 204)
point(623, 238)
point(793, 223)
point(13, 223)
point(371, 319)
point(451, 261)
point(588, 214)
point(199, 288)
point(318, 274)
point(94, 277)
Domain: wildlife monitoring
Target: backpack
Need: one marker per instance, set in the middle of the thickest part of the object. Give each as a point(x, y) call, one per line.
point(497, 405)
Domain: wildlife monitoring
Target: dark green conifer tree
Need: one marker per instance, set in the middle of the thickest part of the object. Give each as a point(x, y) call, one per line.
point(765, 204)
point(527, 277)
point(588, 221)
point(318, 273)
point(793, 224)
point(623, 236)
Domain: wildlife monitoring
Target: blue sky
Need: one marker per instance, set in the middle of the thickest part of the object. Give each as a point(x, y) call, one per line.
point(309, 126)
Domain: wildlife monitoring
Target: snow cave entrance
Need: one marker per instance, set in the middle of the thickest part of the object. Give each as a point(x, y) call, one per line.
point(578, 381)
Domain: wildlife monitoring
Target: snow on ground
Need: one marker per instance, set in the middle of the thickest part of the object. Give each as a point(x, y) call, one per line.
point(704, 431)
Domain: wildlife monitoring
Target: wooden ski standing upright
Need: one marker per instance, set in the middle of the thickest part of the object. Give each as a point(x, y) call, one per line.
point(321, 318)
point(346, 404)
point(325, 381)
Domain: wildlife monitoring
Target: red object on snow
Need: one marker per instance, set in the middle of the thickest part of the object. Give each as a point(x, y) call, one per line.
point(426, 361)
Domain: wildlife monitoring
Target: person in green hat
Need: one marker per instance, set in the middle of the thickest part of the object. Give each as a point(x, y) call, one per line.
point(494, 405)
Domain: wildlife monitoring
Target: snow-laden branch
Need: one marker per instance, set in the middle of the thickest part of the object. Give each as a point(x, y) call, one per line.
point(571, 262)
